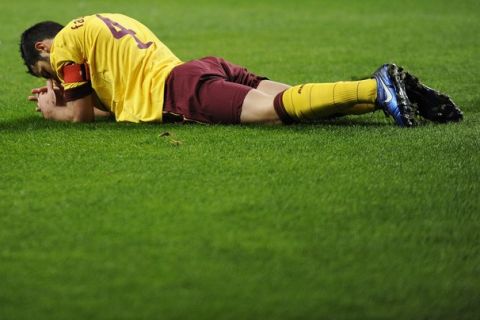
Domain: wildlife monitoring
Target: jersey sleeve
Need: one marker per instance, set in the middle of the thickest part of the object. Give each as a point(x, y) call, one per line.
point(67, 50)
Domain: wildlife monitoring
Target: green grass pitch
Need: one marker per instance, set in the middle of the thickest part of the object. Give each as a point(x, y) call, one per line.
point(354, 219)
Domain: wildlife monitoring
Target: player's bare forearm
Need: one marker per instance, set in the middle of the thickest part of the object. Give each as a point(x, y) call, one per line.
point(80, 110)
point(57, 113)
point(49, 104)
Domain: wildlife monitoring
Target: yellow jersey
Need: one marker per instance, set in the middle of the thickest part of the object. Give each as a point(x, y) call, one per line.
point(128, 63)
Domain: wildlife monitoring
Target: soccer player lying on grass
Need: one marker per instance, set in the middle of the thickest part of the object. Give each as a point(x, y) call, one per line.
point(110, 64)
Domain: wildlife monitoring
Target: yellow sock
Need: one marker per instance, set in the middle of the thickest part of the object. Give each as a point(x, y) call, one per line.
point(321, 100)
point(360, 108)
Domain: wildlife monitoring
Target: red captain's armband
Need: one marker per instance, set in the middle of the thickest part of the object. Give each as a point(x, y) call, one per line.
point(76, 73)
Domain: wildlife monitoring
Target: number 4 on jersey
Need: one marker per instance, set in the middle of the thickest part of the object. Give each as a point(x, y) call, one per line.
point(119, 31)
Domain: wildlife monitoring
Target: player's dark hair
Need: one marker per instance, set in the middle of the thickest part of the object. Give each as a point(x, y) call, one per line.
point(40, 31)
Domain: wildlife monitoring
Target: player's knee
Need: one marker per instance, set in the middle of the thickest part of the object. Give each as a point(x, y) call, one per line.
point(258, 108)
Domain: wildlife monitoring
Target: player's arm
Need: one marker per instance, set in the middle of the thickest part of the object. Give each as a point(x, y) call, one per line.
point(75, 110)
point(98, 109)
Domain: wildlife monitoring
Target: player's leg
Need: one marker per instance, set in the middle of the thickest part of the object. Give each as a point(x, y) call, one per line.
point(312, 101)
point(432, 104)
point(322, 100)
point(274, 88)
point(229, 95)
point(258, 104)
point(258, 107)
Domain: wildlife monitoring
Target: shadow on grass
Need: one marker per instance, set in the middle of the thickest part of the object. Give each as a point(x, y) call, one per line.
point(35, 123)
point(352, 122)
point(22, 124)
point(326, 124)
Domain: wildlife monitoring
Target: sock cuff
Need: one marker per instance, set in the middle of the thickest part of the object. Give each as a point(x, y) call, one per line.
point(280, 109)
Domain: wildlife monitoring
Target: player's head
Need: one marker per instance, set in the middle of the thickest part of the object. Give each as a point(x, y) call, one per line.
point(35, 44)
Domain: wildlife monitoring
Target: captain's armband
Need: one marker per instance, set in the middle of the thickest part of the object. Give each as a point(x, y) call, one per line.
point(76, 72)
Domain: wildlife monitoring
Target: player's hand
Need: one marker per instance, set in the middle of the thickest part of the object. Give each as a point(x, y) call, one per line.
point(60, 100)
point(46, 98)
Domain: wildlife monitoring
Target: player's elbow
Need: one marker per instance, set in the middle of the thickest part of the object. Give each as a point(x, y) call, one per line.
point(82, 110)
point(49, 115)
point(83, 118)
point(83, 114)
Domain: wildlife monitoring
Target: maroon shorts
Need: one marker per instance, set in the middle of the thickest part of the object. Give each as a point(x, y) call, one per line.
point(208, 90)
